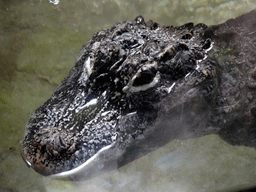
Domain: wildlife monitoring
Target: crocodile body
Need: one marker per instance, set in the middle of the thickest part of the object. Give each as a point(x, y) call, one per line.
point(138, 85)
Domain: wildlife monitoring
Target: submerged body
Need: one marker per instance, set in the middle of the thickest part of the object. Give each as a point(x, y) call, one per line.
point(138, 85)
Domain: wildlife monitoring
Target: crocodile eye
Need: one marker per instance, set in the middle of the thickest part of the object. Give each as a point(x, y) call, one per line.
point(147, 77)
point(207, 44)
point(144, 77)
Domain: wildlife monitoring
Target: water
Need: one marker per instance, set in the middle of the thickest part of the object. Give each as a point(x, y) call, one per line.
point(40, 42)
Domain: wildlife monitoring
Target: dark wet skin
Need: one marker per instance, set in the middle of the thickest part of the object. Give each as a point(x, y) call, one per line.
point(138, 85)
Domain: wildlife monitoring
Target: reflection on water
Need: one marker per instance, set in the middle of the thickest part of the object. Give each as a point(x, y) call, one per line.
point(41, 40)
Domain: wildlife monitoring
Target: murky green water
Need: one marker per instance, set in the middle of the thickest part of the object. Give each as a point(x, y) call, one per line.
point(40, 41)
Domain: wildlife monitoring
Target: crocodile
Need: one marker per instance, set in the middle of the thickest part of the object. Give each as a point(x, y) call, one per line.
point(138, 85)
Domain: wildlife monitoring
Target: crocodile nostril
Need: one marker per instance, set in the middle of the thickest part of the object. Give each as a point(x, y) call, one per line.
point(43, 149)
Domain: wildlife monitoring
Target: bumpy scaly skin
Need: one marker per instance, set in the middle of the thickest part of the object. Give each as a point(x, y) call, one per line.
point(138, 76)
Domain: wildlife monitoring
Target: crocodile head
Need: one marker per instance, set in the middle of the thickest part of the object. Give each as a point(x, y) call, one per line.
point(130, 83)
